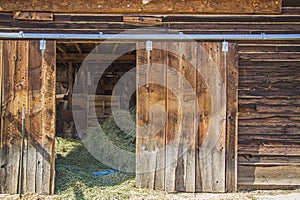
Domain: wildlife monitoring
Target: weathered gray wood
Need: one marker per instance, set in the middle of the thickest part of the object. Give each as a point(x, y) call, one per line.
point(151, 106)
point(189, 105)
point(212, 140)
point(158, 110)
point(231, 59)
point(269, 175)
point(173, 123)
point(145, 164)
point(196, 85)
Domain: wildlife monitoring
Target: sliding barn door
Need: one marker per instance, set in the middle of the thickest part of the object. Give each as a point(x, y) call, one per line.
point(186, 117)
point(27, 80)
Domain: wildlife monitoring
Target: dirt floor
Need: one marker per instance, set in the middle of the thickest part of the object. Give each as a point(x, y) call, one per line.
point(254, 195)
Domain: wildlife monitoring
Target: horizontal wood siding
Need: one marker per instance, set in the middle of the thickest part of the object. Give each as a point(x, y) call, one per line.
point(146, 6)
point(269, 110)
point(288, 21)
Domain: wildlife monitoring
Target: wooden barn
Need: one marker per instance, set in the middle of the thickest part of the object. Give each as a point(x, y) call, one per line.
point(232, 122)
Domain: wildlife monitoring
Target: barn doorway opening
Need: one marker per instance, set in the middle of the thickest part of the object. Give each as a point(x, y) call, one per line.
point(95, 71)
point(94, 84)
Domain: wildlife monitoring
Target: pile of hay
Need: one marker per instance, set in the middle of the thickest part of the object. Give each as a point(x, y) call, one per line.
point(75, 167)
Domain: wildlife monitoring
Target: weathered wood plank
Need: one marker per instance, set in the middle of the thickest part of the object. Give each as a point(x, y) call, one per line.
point(2, 149)
point(23, 60)
point(75, 57)
point(173, 124)
point(271, 150)
point(151, 109)
point(151, 145)
point(33, 16)
point(168, 6)
point(140, 20)
point(146, 160)
point(189, 57)
point(36, 107)
point(48, 120)
point(231, 60)
point(10, 116)
point(265, 160)
point(269, 175)
point(212, 141)
point(158, 60)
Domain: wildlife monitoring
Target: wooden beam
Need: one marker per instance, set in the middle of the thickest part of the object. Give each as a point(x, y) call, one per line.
point(78, 48)
point(96, 57)
point(263, 176)
point(33, 16)
point(60, 49)
point(145, 6)
point(70, 84)
point(139, 20)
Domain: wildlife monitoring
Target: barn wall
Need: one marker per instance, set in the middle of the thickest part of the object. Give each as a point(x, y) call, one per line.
point(269, 110)
point(269, 132)
point(127, 6)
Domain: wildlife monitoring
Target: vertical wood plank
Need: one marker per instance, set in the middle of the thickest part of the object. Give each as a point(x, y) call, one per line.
point(151, 105)
point(232, 118)
point(186, 55)
point(10, 116)
point(204, 108)
point(143, 179)
point(42, 117)
point(219, 159)
point(48, 120)
point(158, 103)
point(34, 109)
point(189, 115)
point(173, 127)
point(212, 140)
point(2, 150)
point(23, 59)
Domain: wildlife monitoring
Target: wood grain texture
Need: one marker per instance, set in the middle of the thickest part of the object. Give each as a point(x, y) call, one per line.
point(33, 16)
point(144, 176)
point(2, 149)
point(195, 130)
point(11, 118)
point(212, 146)
point(146, 21)
point(269, 175)
point(232, 117)
point(150, 109)
point(29, 77)
point(173, 127)
point(268, 115)
point(150, 6)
